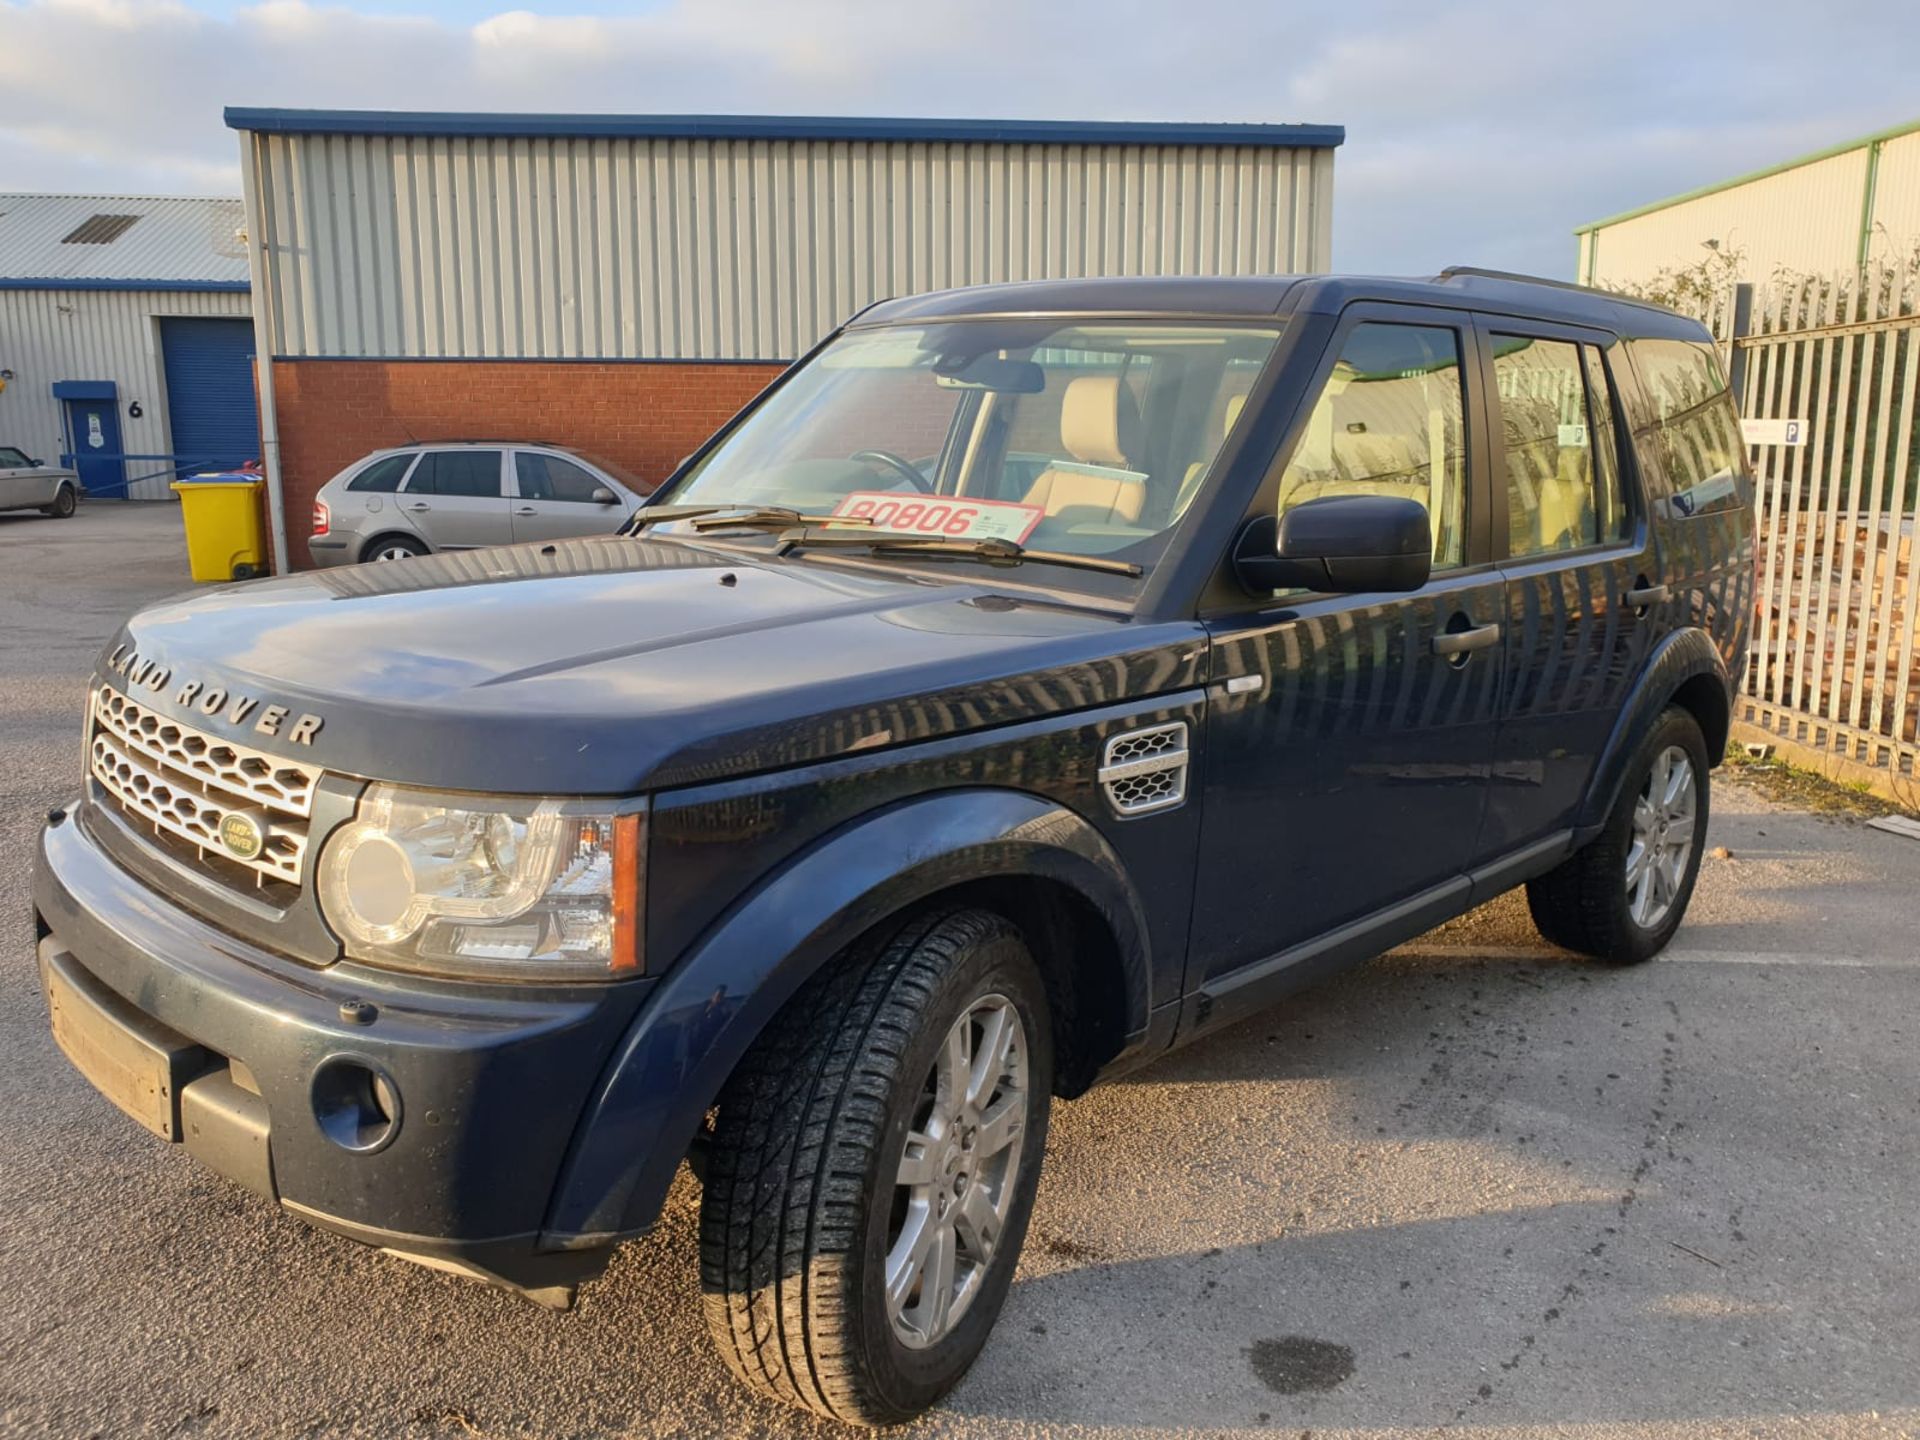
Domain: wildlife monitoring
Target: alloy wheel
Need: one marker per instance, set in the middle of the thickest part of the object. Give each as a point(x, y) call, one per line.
point(958, 1172)
point(1665, 817)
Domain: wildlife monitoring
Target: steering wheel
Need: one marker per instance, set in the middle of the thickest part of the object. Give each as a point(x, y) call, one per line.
point(906, 468)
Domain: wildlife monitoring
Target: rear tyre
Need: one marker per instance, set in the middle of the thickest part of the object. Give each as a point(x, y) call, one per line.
point(872, 1170)
point(1622, 897)
point(63, 505)
point(393, 547)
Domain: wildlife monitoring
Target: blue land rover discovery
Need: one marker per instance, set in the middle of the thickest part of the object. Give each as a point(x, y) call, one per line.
point(1033, 679)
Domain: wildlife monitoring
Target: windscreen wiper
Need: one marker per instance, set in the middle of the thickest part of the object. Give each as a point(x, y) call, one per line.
point(992, 549)
point(726, 517)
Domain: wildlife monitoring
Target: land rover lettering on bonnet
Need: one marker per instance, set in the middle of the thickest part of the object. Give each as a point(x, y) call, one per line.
point(1031, 680)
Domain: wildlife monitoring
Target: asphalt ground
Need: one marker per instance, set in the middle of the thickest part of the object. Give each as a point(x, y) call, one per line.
point(1475, 1185)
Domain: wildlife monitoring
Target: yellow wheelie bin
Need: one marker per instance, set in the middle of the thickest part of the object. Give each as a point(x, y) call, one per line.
point(225, 539)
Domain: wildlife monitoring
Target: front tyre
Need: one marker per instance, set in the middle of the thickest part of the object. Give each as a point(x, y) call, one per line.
point(63, 504)
point(872, 1171)
point(1622, 897)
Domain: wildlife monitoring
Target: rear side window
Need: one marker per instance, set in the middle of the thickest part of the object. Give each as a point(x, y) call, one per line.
point(1562, 465)
point(1692, 428)
point(548, 477)
point(473, 473)
point(382, 475)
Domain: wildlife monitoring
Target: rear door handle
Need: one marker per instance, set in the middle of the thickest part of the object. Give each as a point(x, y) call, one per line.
point(418, 506)
point(1644, 596)
point(1460, 642)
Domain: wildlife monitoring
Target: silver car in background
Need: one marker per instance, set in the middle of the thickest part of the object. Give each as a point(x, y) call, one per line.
point(459, 494)
point(27, 484)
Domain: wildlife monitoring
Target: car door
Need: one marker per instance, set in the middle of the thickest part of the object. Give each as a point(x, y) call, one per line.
point(556, 497)
point(457, 498)
point(18, 485)
point(1349, 736)
point(1583, 598)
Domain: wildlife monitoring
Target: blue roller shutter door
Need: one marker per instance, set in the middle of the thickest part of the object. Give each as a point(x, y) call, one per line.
point(210, 404)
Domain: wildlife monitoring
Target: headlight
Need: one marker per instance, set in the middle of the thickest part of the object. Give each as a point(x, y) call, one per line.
point(500, 887)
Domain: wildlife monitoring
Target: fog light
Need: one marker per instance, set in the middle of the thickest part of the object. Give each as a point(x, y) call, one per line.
point(356, 1104)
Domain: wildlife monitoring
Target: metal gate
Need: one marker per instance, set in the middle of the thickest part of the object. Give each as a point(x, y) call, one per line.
point(1833, 365)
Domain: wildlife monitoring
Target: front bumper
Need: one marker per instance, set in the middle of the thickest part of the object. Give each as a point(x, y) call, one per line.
point(282, 1076)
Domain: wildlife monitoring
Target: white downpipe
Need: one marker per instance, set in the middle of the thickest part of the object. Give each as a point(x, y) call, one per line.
point(265, 327)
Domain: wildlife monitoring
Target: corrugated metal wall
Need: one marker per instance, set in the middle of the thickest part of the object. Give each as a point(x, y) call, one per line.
point(1896, 200)
point(49, 335)
point(1806, 220)
point(394, 246)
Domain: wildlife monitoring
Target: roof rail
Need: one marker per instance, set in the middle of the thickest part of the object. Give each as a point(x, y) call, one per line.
point(478, 440)
point(1475, 272)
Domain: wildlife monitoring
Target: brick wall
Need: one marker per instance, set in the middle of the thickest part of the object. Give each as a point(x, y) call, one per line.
point(644, 417)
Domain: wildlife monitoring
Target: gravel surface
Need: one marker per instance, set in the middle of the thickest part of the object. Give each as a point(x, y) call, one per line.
point(1474, 1185)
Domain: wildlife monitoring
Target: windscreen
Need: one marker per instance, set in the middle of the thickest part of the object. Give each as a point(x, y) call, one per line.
point(1089, 438)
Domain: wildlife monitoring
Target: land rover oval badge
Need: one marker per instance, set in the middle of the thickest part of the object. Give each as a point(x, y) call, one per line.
point(242, 835)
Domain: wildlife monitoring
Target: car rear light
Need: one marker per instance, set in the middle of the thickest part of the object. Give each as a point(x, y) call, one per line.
point(322, 521)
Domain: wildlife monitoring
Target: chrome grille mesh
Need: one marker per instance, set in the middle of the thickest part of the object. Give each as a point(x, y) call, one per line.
point(243, 774)
point(1146, 770)
point(184, 782)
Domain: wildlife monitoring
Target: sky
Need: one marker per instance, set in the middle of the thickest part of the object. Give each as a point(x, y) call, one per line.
point(1478, 131)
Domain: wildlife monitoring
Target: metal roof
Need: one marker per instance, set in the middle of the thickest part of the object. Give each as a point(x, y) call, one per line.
point(1879, 137)
point(71, 242)
point(786, 127)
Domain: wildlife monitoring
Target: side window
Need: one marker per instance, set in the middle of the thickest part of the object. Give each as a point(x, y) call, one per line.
point(383, 476)
point(1603, 404)
point(548, 477)
point(1563, 483)
point(472, 473)
point(1388, 422)
point(12, 459)
point(1693, 428)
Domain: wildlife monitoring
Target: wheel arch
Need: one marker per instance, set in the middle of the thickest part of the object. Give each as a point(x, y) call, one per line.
point(391, 532)
point(1043, 867)
point(1686, 669)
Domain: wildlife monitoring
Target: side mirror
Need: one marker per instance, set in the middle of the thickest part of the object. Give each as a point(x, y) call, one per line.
point(1346, 544)
point(36, 463)
point(604, 496)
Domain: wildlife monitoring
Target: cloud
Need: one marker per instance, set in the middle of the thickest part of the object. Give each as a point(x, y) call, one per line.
point(1478, 131)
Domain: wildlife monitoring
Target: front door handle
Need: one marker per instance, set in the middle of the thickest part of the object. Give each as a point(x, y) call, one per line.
point(526, 510)
point(1461, 642)
point(1644, 596)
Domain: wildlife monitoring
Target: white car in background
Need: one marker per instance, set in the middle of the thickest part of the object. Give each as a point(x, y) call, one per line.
point(28, 484)
point(461, 494)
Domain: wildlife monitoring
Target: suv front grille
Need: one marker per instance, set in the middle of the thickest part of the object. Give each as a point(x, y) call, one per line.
point(184, 783)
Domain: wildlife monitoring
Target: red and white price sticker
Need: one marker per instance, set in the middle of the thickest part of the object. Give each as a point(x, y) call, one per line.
point(946, 516)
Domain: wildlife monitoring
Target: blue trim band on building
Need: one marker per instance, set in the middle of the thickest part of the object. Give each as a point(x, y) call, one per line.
point(783, 127)
point(530, 360)
point(75, 282)
point(84, 390)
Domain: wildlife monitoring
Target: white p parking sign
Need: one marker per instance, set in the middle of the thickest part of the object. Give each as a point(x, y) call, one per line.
point(1773, 432)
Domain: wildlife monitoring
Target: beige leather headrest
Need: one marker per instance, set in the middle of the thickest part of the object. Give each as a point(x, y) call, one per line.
point(1094, 420)
point(1235, 404)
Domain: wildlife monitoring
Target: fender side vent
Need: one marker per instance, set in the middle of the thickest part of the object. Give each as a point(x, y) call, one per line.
point(1146, 770)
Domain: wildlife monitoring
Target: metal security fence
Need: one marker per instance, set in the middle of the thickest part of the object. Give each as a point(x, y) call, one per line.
point(1829, 368)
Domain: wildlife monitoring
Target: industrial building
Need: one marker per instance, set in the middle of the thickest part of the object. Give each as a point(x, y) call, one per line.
point(624, 284)
point(126, 340)
point(1835, 213)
